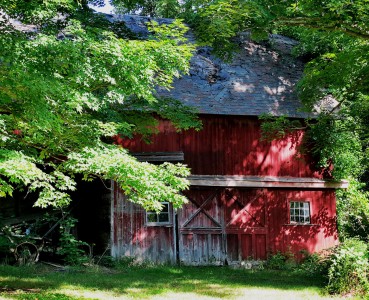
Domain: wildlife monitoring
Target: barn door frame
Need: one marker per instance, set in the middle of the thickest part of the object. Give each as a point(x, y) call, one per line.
point(211, 233)
point(255, 234)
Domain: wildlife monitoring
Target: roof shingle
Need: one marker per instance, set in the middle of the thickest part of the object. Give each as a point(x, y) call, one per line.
point(259, 79)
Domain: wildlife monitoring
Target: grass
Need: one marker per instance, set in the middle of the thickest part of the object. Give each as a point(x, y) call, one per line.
point(44, 283)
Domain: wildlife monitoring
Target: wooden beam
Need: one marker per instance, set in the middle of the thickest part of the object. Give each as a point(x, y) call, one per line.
point(200, 208)
point(265, 182)
point(159, 156)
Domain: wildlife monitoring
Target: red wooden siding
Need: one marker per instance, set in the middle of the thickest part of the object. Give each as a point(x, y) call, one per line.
point(227, 225)
point(234, 224)
point(200, 224)
point(229, 145)
point(321, 234)
point(131, 236)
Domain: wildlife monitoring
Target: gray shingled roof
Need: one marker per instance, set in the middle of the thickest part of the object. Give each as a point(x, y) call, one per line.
point(260, 79)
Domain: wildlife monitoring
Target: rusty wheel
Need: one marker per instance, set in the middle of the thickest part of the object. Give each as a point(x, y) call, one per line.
point(26, 253)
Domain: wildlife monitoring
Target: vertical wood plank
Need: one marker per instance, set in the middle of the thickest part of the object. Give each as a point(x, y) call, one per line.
point(229, 145)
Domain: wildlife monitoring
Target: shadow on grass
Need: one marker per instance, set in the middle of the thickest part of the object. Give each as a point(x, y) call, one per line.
point(219, 282)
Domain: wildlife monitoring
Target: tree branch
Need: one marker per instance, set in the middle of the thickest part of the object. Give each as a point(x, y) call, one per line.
point(318, 23)
point(16, 137)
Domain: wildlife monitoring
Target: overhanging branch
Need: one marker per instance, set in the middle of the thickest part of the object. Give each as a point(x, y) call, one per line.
point(318, 23)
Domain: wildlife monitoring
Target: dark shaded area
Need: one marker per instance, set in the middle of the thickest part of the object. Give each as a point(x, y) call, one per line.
point(91, 206)
point(19, 208)
point(22, 223)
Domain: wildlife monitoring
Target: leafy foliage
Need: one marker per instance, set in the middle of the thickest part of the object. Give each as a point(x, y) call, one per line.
point(69, 82)
point(162, 8)
point(276, 128)
point(281, 261)
point(336, 148)
point(353, 211)
point(220, 21)
point(315, 264)
point(69, 247)
point(349, 268)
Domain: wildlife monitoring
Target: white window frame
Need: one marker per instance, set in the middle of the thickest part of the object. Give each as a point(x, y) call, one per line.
point(299, 212)
point(156, 215)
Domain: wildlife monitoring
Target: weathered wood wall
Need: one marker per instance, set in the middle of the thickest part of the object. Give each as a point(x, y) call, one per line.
point(227, 225)
point(229, 145)
point(132, 237)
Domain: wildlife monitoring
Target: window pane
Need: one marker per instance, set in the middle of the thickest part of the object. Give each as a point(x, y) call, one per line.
point(300, 212)
point(164, 217)
point(152, 217)
point(155, 219)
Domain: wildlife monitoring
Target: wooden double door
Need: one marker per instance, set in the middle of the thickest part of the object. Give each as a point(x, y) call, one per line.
point(222, 226)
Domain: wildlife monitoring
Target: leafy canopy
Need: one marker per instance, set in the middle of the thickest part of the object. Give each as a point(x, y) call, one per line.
point(69, 82)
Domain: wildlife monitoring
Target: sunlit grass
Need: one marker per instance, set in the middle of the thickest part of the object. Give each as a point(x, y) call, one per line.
point(42, 283)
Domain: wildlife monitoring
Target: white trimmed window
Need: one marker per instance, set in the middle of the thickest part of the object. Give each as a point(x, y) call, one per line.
point(162, 218)
point(299, 212)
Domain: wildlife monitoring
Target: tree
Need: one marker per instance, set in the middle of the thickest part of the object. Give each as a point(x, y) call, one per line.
point(69, 82)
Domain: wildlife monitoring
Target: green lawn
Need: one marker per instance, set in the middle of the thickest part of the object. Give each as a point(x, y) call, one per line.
point(44, 283)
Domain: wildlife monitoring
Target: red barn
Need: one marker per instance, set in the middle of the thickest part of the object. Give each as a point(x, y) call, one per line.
point(248, 198)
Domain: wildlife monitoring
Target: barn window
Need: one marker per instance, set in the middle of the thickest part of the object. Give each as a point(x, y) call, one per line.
point(299, 212)
point(161, 218)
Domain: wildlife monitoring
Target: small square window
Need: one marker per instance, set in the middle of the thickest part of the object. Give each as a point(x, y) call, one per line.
point(161, 218)
point(299, 212)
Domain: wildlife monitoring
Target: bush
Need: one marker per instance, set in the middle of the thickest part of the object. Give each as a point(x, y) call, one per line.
point(316, 263)
point(348, 270)
point(281, 261)
point(71, 249)
point(311, 265)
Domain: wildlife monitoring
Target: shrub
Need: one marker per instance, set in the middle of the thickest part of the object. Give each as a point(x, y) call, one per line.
point(316, 263)
point(124, 262)
point(70, 248)
point(348, 270)
point(281, 261)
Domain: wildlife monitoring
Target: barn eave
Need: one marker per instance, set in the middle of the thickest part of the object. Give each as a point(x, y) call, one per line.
point(265, 182)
